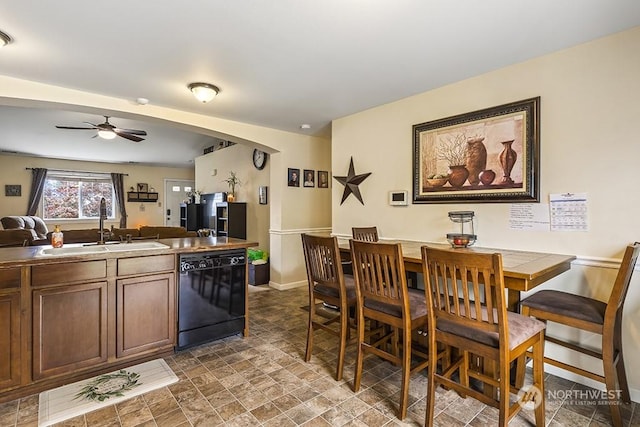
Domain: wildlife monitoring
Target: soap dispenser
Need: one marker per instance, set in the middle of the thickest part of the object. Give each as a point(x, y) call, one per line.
point(57, 237)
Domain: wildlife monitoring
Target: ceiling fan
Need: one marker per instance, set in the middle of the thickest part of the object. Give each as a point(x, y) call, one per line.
point(108, 131)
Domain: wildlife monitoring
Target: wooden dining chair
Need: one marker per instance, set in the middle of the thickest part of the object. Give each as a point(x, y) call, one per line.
point(327, 284)
point(383, 298)
point(467, 310)
point(367, 234)
point(370, 234)
point(588, 314)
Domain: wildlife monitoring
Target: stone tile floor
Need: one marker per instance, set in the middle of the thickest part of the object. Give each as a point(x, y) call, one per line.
point(262, 380)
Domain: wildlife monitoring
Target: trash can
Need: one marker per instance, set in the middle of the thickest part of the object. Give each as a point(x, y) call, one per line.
point(259, 274)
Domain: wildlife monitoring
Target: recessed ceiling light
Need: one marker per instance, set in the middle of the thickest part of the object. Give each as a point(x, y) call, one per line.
point(305, 126)
point(5, 39)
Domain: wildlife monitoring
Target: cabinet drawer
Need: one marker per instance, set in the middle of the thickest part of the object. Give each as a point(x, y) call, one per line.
point(51, 274)
point(10, 278)
point(146, 264)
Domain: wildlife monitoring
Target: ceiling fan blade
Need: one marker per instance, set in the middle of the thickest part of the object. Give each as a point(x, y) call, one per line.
point(128, 136)
point(131, 131)
point(72, 127)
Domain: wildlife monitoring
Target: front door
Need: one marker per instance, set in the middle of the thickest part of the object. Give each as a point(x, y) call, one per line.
point(175, 192)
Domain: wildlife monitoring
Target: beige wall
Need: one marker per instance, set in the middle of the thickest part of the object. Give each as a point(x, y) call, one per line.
point(213, 168)
point(13, 171)
point(589, 143)
point(291, 211)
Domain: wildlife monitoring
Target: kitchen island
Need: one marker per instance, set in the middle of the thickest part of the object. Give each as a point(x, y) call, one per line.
point(72, 313)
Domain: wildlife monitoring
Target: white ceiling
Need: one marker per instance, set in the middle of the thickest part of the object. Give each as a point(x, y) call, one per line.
point(279, 63)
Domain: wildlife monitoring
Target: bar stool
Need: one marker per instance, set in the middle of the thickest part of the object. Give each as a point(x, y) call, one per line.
point(383, 297)
point(329, 285)
point(367, 234)
point(467, 311)
point(370, 234)
point(594, 316)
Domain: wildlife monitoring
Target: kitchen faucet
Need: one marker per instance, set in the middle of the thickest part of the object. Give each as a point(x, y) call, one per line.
point(103, 216)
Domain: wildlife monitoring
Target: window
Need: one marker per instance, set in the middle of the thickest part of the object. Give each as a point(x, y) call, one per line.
point(76, 195)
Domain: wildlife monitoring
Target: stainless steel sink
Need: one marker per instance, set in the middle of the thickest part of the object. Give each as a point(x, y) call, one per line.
point(93, 249)
point(72, 250)
point(136, 246)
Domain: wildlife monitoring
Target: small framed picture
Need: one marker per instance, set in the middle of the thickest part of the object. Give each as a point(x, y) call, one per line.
point(293, 177)
point(143, 187)
point(323, 179)
point(13, 190)
point(309, 178)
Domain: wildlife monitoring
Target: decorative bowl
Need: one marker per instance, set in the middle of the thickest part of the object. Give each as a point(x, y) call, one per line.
point(460, 240)
point(437, 182)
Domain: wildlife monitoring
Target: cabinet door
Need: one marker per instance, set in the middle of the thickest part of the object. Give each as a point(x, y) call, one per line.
point(146, 314)
point(9, 340)
point(69, 328)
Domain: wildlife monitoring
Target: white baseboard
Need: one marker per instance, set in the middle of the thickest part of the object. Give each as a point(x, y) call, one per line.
point(287, 286)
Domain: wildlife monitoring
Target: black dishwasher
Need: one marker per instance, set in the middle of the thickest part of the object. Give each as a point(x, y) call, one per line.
point(211, 296)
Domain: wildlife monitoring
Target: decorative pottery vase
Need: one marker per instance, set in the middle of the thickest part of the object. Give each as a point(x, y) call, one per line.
point(507, 158)
point(476, 159)
point(458, 175)
point(230, 197)
point(487, 176)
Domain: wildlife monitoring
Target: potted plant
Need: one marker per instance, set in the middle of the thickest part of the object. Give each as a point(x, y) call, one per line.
point(194, 196)
point(233, 181)
point(454, 152)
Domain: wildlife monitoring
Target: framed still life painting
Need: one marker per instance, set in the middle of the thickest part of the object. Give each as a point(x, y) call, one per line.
point(490, 155)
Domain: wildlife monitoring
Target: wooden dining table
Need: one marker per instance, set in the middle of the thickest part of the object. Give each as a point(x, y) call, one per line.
point(523, 270)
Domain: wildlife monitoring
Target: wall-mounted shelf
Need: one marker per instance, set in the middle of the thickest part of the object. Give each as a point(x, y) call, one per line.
point(141, 196)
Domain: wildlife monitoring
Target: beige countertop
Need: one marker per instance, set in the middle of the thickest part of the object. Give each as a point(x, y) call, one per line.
point(32, 255)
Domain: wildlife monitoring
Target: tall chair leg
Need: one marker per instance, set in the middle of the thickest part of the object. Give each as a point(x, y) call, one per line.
point(307, 354)
point(344, 329)
point(620, 369)
point(610, 378)
point(359, 358)
point(538, 380)
point(503, 393)
point(406, 372)
point(431, 386)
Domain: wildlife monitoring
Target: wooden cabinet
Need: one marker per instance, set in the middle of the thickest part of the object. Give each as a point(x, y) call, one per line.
point(145, 304)
point(10, 328)
point(231, 220)
point(9, 340)
point(69, 328)
point(145, 318)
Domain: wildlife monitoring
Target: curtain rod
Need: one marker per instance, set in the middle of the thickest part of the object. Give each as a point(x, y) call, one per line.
point(67, 170)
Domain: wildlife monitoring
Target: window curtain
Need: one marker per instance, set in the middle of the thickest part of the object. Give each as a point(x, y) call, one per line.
point(38, 177)
point(118, 187)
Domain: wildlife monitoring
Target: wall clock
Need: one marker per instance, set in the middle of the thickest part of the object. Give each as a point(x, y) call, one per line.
point(259, 159)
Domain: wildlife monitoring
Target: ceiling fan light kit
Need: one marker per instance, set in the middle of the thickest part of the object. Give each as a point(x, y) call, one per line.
point(5, 39)
point(108, 131)
point(204, 92)
point(106, 134)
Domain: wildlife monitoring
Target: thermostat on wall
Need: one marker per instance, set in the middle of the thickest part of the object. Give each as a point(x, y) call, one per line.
point(398, 198)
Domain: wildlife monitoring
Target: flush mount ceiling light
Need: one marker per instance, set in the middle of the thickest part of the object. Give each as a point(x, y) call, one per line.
point(5, 39)
point(204, 92)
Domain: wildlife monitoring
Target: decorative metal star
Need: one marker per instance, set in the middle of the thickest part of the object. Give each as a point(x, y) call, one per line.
point(351, 182)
